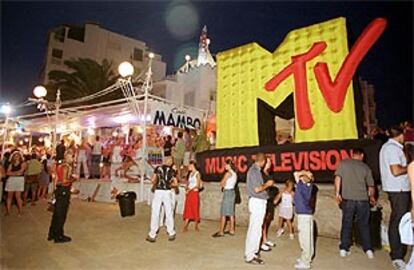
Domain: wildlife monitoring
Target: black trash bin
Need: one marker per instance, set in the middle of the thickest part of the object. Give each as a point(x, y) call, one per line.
point(374, 228)
point(127, 203)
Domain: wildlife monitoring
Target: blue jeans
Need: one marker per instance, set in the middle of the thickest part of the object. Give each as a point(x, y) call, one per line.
point(361, 211)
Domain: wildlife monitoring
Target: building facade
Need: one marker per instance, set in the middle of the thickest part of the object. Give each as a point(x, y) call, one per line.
point(194, 84)
point(92, 41)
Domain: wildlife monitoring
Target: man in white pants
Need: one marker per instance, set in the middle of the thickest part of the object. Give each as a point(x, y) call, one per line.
point(163, 180)
point(256, 191)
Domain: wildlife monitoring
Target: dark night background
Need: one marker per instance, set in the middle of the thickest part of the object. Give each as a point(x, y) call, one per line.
point(388, 65)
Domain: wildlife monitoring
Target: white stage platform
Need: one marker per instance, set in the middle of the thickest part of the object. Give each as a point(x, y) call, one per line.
point(88, 187)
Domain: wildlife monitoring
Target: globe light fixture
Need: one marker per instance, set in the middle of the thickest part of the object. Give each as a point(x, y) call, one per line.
point(40, 91)
point(151, 55)
point(187, 58)
point(6, 109)
point(126, 69)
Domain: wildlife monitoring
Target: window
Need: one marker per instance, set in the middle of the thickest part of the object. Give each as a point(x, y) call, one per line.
point(138, 54)
point(77, 33)
point(60, 34)
point(56, 53)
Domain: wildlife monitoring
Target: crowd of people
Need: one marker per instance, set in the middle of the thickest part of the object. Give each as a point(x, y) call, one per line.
point(355, 191)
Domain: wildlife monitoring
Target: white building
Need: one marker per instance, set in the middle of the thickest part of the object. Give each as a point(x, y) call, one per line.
point(92, 41)
point(194, 84)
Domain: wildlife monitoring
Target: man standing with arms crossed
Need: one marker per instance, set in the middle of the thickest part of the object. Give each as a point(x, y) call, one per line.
point(393, 168)
point(256, 191)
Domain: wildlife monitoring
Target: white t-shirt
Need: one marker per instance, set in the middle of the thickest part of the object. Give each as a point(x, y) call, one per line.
point(192, 180)
point(231, 181)
point(392, 154)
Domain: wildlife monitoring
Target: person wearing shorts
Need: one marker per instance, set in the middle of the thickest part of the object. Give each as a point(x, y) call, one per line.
point(34, 168)
point(15, 182)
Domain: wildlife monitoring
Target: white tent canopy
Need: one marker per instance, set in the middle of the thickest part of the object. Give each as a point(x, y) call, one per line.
point(113, 114)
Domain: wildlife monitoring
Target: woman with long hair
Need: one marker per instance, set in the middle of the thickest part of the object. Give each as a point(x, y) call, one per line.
point(192, 199)
point(228, 184)
point(15, 182)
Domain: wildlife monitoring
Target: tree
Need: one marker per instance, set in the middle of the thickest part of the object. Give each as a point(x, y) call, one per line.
point(86, 76)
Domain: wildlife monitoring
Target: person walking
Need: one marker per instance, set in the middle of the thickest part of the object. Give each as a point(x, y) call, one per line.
point(256, 191)
point(228, 184)
point(15, 181)
point(163, 180)
point(192, 198)
point(63, 184)
point(393, 169)
point(354, 191)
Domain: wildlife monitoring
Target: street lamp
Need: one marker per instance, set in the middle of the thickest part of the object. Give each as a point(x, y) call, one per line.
point(40, 93)
point(126, 69)
point(6, 109)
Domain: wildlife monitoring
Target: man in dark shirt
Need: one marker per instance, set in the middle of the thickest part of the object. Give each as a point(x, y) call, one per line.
point(354, 189)
point(60, 151)
point(305, 190)
point(163, 180)
point(256, 190)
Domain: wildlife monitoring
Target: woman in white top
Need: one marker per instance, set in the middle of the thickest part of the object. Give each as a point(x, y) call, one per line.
point(227, 184)
point(192, 199)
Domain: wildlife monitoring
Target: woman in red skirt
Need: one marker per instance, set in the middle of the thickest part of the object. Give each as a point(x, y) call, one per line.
point(192, 199)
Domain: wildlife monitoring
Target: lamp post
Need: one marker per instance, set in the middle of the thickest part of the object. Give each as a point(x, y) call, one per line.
point(6, 109)
point(126, 70)
point(187, 62)
point(40, 93)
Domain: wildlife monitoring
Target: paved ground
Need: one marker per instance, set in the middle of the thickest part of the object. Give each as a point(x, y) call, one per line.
point(104, 240)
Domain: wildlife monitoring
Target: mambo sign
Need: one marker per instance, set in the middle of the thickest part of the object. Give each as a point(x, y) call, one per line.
point(167, 115)
point(321, 158)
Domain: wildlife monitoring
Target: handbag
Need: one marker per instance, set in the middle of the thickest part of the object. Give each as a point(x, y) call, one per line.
point(51, 204)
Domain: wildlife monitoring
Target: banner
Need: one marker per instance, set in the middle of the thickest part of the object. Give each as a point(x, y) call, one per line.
point(321, 158)
point(163, 114)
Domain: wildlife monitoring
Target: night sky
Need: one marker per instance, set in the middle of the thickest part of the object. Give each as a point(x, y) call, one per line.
point(172, 29)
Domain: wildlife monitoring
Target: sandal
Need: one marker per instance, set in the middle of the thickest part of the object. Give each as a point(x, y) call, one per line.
point(217, 234)
point(255, 261)
point(231, 233)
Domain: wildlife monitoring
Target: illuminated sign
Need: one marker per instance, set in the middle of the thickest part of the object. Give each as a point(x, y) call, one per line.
point(313, 64)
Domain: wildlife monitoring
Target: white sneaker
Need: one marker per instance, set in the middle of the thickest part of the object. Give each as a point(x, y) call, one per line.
point(291, 236)
point(265, 247)
point(343, 253)
point(270, 244)
point(302, 265)
point(280, 232)
point(370, 254)
point(398, 264)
